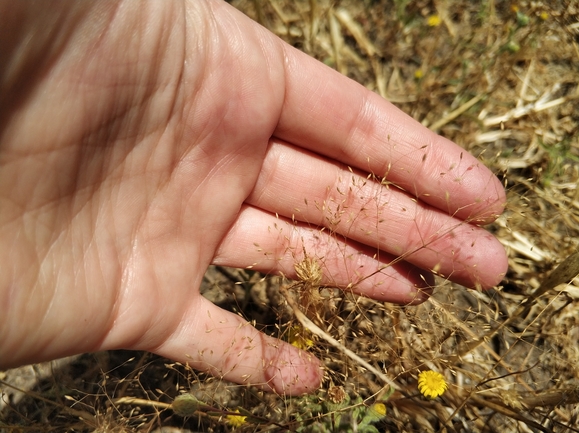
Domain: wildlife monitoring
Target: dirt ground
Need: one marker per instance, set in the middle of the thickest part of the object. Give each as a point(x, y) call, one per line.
point(499, 78)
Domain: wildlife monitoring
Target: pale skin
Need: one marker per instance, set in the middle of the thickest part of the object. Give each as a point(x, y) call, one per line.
point(142, 142)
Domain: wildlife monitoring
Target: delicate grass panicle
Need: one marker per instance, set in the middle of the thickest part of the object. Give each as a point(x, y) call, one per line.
point(503, 84)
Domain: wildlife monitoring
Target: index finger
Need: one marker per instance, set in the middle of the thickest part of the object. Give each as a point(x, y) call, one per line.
point(334, 116)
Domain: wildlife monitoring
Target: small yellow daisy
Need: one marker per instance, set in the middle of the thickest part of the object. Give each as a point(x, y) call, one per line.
point(433, 21)
point(379, 408)
point(431, 384)
point(236, 420)
point(298, 337)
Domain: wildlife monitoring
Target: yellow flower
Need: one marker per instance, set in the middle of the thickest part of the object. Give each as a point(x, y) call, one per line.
point(298, 337)
point(433, 21)
point(431, 384)
point(379, 408)
point(544, 16)
point(236, 420)
point(418, 74)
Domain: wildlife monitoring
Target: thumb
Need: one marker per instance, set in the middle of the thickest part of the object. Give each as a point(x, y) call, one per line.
point(223, 344)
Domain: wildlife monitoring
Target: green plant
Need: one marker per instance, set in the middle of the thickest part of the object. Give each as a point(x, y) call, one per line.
point(327, 414)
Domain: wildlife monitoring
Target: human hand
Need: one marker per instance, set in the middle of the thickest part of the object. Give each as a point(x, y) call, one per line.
point(141, 142)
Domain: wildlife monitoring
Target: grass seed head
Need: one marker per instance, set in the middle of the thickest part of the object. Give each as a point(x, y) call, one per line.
point(336, 394)
point(309, 271)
